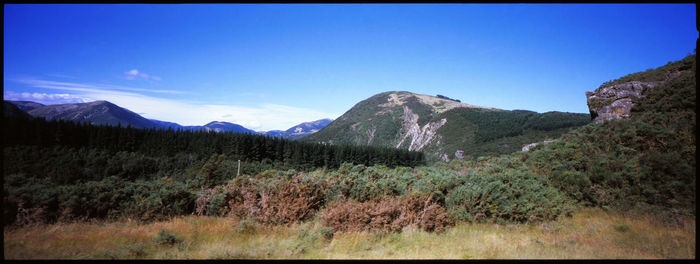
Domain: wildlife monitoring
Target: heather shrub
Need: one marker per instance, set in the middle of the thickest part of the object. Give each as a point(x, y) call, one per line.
point(389, 214)
point(29, 200)
point(213, 201)
point(276, 200)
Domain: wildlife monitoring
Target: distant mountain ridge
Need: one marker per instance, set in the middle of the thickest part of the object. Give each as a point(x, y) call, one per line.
point(95, 113)
point(300, 130)
point(11, 110)
point(26, 105)
point(106, 113)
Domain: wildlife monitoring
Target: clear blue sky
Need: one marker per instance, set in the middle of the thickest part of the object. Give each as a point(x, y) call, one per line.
point(273, 66)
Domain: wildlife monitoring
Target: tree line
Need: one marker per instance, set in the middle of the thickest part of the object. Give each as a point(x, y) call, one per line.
point(241, 146)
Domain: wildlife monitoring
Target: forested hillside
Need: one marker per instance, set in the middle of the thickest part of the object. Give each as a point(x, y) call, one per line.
point(49, 164)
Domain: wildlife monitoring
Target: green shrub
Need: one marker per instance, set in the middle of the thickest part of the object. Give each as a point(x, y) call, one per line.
point(246, 226)
point(165, 238)
point(622, 228)
point(512, 196)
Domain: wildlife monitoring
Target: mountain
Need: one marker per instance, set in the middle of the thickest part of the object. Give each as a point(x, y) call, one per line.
point(215, 126)
point(307, 128)
point(442, 127)
point(26, 105)
point(300, 130)
point(96, 113)
point(272, 133)
point(165, 124)
point(218, 126)
point(11, 110)
point(106, 113)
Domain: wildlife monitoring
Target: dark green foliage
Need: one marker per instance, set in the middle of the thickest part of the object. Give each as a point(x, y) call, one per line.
point(57, 169)
point(168, 143)
point(481, 132)
point(165, 238)
point(509, 195)
point(11, 110)
point(622, 228)
point(554, 120)
point(445, 97)
point(658, 74)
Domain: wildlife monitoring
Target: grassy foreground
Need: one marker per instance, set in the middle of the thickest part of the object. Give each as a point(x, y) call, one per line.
point(589, 233)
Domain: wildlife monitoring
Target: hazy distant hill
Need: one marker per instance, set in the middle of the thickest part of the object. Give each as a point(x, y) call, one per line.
point(96, 113)
point(26, 105)
point(218, 126)
point(11, 110)
point(442, 127)
point(300, 130)
point(106, 113)
point(165, 124)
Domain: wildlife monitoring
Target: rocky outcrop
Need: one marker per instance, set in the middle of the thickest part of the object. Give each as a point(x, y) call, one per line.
point(459, 154)
point(420, 137)
point(370, 134)
point(532, 145)
point(615, 101)
point(444, 157)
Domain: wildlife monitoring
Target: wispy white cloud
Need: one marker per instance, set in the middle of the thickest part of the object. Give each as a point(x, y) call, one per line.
point(261, 117)
point(45, 98)
point(63, 76)
point(135, 74)
point(80, 87)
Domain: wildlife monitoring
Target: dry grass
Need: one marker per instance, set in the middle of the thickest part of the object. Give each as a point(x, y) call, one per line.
point(590, 234)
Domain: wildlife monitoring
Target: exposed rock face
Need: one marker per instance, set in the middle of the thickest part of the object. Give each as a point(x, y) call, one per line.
point(444, 158)
point(370, 134)
point(615, 101)
point(459, 154)
point(532, 145)
point(420, 137)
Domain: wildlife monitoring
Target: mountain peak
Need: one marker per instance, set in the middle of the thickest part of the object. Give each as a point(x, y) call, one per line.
point(218, 123)
point(439, 103)
point(96, 113)
point(26, 105)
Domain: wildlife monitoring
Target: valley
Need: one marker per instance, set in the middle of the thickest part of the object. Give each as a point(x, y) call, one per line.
point(388, 179)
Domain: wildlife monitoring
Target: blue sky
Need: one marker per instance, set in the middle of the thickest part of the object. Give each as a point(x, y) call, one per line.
point(273, 66)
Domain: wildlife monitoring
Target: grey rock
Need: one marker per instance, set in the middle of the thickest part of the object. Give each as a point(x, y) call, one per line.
point(444, 158)
point(459, 154)
point(615, 101)
point(532, 145)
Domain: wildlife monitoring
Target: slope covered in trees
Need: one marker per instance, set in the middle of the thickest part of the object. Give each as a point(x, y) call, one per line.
point(96, 171)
